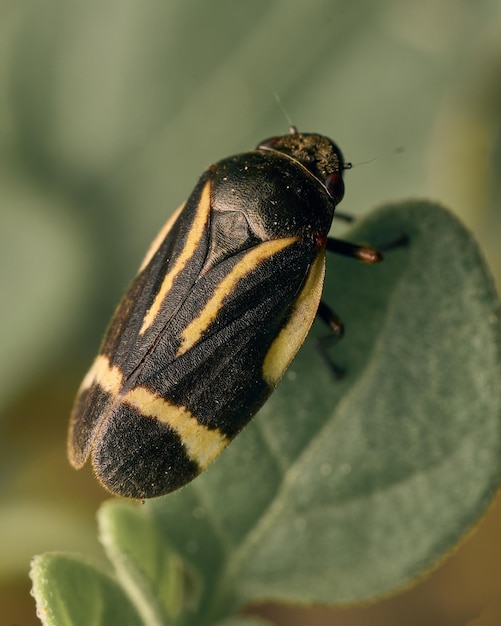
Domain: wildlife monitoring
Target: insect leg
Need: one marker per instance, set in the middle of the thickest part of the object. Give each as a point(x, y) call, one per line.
point(345, 217)
point(333, 321)
point(322, 344)
point(364, 253)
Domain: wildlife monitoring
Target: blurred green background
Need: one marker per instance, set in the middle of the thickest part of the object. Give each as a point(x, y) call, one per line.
point(109, 112)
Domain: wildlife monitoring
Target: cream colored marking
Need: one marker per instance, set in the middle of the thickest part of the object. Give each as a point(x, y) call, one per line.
point(194, 331)
point(198, 228)
point(202, 444)
point(155, 244)
point(108, 378)
point(293, 334)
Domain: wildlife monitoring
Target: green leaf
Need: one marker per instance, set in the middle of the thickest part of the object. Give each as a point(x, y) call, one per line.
point(338, 491)
point(342, 491)
point(71, 592)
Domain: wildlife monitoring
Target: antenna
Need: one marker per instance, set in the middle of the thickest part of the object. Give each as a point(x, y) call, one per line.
point(292, 128)
point(361, 163)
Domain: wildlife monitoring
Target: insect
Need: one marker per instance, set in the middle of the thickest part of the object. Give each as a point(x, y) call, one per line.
point(219, 308)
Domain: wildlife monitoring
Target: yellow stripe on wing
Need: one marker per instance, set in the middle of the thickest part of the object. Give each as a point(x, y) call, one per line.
point(110, 379)
point(202, 444)
point(195, 235)
point(249, 262)
point(291, 337)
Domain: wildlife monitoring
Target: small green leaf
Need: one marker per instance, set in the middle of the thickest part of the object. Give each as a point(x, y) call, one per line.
point(71, 592)
point(155, 577)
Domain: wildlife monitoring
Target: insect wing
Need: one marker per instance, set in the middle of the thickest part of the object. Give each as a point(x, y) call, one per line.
point(128, 339)
point(190, 357)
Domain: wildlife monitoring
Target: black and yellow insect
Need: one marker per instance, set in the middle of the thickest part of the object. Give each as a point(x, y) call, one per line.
point(220, 306)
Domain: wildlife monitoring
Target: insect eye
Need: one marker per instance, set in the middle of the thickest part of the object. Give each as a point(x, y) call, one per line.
point(270, 143)
point(335, 186)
